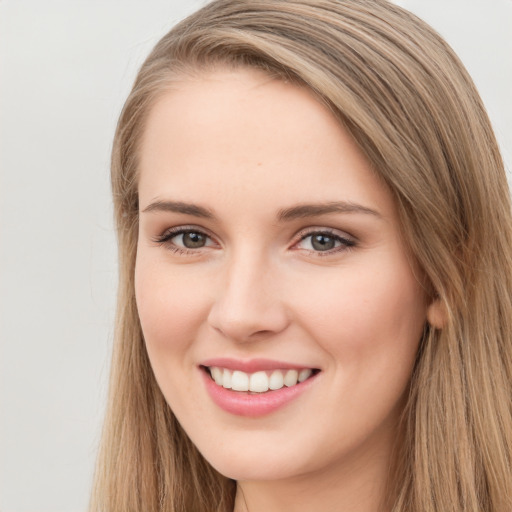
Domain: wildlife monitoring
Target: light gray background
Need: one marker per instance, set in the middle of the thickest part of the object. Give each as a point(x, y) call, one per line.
point(65, 68)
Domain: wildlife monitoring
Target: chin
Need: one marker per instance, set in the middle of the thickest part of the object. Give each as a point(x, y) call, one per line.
point(259, 462)
point(254, 469)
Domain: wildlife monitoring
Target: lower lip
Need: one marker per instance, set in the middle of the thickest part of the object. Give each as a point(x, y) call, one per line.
point(248, 404)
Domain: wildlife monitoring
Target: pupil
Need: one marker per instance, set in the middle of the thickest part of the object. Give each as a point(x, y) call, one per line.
point(322, 242)
point(193, 240)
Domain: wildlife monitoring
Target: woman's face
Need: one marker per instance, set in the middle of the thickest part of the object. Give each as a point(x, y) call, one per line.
point(269, 258)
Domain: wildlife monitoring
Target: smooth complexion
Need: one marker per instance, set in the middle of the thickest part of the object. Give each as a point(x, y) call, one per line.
point(265, 235)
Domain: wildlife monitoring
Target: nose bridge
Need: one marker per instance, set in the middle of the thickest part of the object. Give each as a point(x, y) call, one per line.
point(248, 302)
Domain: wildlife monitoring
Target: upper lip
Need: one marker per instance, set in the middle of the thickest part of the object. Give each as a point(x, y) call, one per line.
point(252, 365)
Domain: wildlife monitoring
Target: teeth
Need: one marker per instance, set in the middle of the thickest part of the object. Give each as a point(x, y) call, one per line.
point(276, 380)
point(240, 381)
point(291, 377)
point(217, 375)
point(258, 382)
point(226, 379)
point(304, 374)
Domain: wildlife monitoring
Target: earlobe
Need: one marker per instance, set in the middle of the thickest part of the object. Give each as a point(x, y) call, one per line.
point(436, 314)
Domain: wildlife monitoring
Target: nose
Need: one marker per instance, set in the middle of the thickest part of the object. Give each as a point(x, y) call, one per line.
point(248, 305)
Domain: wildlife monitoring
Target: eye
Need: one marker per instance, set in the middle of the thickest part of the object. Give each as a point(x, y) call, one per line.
point(324, 242)
point(190, 240)
point(184, 239)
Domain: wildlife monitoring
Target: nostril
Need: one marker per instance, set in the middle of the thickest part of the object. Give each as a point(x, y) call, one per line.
point(247, 309)
point(248, 325)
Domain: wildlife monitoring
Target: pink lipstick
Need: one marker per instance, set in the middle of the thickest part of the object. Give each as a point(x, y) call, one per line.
point(256, 387)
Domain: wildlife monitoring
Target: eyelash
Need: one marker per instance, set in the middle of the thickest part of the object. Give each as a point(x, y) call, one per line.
point(345, 242)
point(165, 239)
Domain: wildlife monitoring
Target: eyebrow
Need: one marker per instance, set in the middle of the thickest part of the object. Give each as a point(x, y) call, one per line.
point(316, 210)
point(179, 207)
point(287, 214)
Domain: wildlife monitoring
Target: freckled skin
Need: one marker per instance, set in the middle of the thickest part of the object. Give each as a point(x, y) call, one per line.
point(246, 147)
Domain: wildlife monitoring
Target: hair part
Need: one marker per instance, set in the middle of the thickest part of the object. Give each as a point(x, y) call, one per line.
point(408, 102)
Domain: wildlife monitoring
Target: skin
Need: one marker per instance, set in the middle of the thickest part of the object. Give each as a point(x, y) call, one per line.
point(246, 147)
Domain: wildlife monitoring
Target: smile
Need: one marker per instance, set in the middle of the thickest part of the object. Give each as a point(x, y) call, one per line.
point(260, 381)
point(255, 388)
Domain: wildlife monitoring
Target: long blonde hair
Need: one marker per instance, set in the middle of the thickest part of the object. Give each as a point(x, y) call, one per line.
point(408, 102)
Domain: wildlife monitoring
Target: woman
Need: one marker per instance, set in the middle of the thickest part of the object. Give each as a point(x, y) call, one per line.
point(315, 273)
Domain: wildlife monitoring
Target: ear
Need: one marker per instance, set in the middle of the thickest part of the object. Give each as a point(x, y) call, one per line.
point(436, 314)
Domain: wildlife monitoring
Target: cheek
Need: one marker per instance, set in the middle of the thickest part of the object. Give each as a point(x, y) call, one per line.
point(171, 307)
point(368, 318)
point(370, 325)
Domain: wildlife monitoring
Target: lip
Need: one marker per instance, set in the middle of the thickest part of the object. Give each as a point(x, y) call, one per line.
point(252, 365)
point(241, 403)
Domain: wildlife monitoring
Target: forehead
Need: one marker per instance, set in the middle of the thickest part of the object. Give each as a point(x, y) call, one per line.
point(228, 133)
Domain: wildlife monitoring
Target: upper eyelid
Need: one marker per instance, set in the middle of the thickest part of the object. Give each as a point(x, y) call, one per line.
point(304, 233)
point(176, 230)
point(169, 233)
